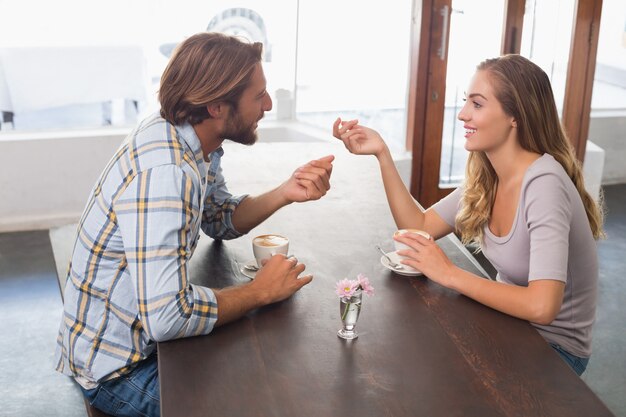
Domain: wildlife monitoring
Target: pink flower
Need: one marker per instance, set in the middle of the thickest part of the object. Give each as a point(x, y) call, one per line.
point(365, 285)
point(346, 287)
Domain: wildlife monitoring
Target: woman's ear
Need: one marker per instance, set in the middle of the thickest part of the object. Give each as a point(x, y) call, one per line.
point(514, 124)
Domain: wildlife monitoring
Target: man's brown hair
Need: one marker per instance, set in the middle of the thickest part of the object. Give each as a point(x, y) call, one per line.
point(206, 68)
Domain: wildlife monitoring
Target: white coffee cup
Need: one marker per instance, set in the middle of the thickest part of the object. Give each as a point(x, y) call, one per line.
point(266, 246)
point(402, 246)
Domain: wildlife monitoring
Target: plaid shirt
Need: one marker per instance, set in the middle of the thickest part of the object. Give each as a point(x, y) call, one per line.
point(127, 285)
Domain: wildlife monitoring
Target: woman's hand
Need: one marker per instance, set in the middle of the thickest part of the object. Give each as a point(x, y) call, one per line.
point(359, 140)
point(426, 256)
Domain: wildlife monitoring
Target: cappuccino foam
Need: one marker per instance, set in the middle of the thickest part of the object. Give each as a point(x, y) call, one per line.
point(270, 240)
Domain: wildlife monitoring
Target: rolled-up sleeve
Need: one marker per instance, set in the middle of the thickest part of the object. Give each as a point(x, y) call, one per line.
point(219, 206)
point(155, 215)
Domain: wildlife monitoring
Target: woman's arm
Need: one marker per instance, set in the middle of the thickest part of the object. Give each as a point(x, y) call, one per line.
point(539, 303)
point(407, 214)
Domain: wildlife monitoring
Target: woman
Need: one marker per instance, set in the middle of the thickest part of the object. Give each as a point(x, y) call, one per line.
point(523, 200)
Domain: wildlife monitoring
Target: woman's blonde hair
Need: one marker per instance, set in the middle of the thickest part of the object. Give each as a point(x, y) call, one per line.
point(206, 68)
point(523, 89)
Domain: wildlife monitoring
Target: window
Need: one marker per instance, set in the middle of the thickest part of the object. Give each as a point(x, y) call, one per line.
point(546, 39)
point(357, 73)
point(481, 23)
point(101, 64)
point(609, 88)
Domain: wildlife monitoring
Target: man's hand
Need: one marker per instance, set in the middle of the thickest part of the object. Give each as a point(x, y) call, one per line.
point(309, 182)
point(278, 279)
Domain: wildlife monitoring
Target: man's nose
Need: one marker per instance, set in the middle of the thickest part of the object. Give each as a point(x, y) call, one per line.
point(268, 103)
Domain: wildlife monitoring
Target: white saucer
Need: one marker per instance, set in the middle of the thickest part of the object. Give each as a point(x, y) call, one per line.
point(248, 272)
point(407, 271)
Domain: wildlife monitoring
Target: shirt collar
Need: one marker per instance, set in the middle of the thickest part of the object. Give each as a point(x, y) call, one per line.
point(188, 134)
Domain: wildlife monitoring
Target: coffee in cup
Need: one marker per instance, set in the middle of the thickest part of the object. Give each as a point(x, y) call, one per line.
point(266, 246)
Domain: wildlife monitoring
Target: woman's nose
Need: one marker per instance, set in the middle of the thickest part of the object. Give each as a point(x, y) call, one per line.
point(463, 116)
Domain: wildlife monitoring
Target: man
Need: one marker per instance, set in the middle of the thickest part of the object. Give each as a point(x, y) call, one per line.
point(128, 284)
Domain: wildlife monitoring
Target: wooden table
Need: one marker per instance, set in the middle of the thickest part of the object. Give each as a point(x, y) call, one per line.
point(422, 350)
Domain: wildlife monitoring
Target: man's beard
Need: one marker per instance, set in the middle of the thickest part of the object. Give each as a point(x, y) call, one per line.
point(236, 131)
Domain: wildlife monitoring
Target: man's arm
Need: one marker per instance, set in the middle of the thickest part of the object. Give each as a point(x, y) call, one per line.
point(154, 215)
point(276, 281)
point(309, 182)
point(156, 245)
point(254, 210)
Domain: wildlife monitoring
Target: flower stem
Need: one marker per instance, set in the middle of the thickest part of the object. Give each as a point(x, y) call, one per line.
point(345, 311)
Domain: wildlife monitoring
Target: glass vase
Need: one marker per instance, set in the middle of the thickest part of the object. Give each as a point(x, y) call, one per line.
point(349, 310)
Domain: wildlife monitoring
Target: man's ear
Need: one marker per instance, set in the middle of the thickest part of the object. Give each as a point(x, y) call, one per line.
point(217, 110)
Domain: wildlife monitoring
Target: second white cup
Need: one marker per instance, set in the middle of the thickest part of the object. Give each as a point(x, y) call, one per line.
point(402, 246)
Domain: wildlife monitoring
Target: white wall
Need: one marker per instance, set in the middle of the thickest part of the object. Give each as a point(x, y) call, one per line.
point(593, 167)
point(45, 182)
point(609, 133)
point(46, 178)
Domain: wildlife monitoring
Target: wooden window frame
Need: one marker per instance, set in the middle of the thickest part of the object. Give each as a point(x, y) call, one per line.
point(427, 80)
point(580, 73)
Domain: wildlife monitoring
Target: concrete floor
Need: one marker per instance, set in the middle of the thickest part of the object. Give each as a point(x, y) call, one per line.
point(30, 313)
point(30, 310)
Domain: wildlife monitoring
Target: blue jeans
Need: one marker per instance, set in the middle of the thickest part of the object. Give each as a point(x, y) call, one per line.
point(134, 394)
point(578, 364)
